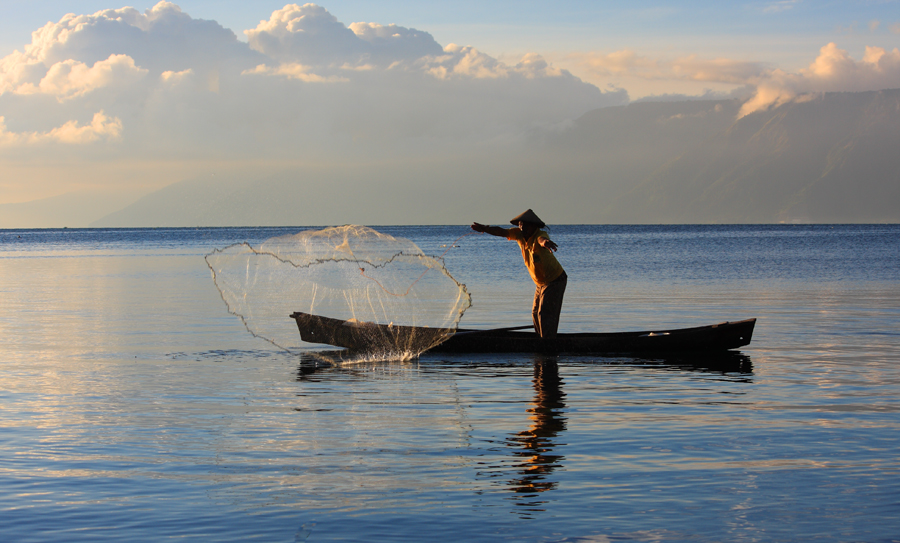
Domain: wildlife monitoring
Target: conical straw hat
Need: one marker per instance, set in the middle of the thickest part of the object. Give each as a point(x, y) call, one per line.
point(528, 216)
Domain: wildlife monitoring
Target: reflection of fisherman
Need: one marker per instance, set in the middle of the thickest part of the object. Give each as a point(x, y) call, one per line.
point(545, 270)
point(538, 443)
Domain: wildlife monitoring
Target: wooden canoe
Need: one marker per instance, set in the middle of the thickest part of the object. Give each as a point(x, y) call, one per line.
point(365, 337)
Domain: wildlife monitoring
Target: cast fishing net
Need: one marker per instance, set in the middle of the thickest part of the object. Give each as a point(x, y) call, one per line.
point(352, 273)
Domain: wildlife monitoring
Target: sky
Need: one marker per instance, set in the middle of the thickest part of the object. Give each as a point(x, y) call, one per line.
point(112, 100)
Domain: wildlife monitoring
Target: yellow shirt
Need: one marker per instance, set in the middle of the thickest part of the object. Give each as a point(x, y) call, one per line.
point(541, 263)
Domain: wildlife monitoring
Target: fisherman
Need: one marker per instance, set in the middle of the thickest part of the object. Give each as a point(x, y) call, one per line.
point(547, 273)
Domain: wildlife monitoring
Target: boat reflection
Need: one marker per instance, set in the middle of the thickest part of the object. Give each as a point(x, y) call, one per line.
point(728, 362)
point(724, 362)
point(535, 447)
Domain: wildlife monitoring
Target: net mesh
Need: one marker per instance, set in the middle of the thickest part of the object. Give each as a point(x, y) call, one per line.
point(351, 273)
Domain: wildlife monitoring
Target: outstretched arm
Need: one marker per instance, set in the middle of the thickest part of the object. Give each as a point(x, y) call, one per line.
point(492, 230)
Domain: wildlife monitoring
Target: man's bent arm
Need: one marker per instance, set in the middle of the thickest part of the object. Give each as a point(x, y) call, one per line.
point(548, 244)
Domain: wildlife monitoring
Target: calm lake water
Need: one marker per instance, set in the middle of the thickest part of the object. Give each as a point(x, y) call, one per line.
point(134, 407)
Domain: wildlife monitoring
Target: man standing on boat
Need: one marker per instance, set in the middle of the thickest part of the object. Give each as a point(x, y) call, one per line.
point(547, 273)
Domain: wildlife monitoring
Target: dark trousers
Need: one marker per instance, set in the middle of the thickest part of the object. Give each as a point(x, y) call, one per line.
point(547, 305)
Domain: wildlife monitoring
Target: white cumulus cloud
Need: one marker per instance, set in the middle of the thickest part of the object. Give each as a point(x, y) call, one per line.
point(70, 78)
point(163, 38)
point(310, 35)
point(464, 62)
point(174, 78)
point(304, 86)
point(295, 70)
point(834, 70)
point(101, 127)
point(307, 33)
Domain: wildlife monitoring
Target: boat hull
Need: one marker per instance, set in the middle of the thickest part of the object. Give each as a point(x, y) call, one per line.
point(369, 336)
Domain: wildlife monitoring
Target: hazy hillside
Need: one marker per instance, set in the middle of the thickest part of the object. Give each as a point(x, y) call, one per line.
point(608, 151)
point(599, 157)
point(433, 191)
point(830, 159)
point(65, 210)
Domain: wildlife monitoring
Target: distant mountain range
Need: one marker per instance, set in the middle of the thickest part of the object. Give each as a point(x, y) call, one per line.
point(832, 158)
point(76, 209)
point(827, 158)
